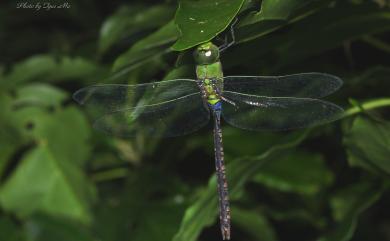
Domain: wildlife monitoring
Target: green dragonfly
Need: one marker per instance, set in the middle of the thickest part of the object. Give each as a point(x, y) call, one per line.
point(181, 106)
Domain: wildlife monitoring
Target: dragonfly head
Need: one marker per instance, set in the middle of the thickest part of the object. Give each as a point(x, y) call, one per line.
point(206, 53)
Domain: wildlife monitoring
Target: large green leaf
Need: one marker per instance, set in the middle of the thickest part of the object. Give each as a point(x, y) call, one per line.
point(298, 172)
point(200, 21)
point(274, 15)
point(275, 10)
point(41, 183)
point(128, 20)
point(305, 39)
point(66, 132)
point(203, 212)
point(368, 144)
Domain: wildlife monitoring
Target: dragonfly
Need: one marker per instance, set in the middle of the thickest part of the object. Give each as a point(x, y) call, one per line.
point(181, 106)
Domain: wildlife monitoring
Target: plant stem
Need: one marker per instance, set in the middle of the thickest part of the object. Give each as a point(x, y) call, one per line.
point(372, 104)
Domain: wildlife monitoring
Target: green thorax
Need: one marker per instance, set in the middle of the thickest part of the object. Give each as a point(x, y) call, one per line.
point(209, 69)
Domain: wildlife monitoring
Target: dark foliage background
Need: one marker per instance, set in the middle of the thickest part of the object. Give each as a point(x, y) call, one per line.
point(61, 180)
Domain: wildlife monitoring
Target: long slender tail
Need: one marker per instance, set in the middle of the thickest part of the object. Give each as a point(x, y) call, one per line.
point(224, 207)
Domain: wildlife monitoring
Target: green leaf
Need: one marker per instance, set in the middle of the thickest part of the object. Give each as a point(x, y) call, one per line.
point(348, 204)
point(66, 132)
point(306, 40)
point(368, 145)
point(200, 21)
point(129, 20)
point(202, 213)
point(154, 214)
point(254, 223)
point(29, 69)
point(302, 214)
point(41, 183)
point(166, 215)
point(298, 172)
point(254, 142)
point(147, 49)
point(10, 138)
point(9, 230)
point(73, 68)
point(46, 68)
point(183, 71)
point(301, 39)
point(275, 10)
point(274, 15)
point(46, 228)
point(40, 94)
point(251, 145)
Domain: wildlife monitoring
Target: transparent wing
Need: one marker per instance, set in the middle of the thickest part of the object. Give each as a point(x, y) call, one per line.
point(277, 113)
point(172, 118)
point(106, 98)
point(304, 85)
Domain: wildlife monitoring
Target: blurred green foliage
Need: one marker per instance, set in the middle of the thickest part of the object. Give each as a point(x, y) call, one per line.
point(62, 180)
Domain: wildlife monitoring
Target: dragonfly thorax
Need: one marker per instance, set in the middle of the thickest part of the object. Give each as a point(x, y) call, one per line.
point(209, 72)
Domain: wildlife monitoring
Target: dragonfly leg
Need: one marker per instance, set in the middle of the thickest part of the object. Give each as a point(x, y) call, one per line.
point(228, 101)
point(227, 44)
point(219, 95)
point(202, 89)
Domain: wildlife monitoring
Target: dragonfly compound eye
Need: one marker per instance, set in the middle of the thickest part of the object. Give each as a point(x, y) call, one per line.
point(206, 53)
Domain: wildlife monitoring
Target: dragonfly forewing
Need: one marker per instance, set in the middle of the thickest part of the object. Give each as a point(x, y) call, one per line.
point(255, 113)
point(107, 98)
point(303, 85)
point(168, 119)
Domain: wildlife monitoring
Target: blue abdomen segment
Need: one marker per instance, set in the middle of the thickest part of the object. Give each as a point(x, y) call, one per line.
point(217, 106)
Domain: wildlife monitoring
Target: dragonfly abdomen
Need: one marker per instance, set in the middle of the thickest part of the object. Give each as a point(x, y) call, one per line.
point(223, 197)
point(217, 106)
